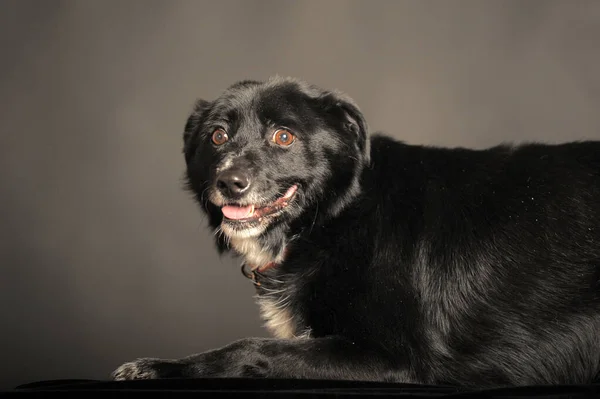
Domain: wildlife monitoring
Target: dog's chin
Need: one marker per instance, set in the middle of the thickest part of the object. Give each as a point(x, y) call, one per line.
point(235, 229)
point(252, 220)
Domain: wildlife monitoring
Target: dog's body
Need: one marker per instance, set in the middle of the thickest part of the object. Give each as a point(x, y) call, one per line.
point(378, 260)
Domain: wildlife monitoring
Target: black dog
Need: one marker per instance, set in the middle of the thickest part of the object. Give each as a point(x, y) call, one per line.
point(377, 260)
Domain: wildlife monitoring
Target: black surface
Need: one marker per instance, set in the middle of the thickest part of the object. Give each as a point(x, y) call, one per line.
point(290, 388)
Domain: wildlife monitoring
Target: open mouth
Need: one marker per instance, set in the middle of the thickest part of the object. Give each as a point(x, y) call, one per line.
point(250, 213)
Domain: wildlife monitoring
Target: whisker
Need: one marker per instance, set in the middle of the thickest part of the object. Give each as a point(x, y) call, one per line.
point(272, 291)
point(314, 219)
point(282, 303)
point(274, 280)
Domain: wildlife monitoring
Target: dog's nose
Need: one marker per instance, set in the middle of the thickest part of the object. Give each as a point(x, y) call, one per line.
point(233, 182)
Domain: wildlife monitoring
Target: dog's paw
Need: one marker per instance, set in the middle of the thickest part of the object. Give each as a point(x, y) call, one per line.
point(144, 369)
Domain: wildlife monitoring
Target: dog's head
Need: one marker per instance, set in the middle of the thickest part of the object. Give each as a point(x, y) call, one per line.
point(265, 153)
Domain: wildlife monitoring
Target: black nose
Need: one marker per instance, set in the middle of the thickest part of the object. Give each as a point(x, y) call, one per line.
point(233, 182)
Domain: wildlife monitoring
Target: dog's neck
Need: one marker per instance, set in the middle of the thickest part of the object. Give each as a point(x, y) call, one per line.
point(269, 250)
point(256, 254)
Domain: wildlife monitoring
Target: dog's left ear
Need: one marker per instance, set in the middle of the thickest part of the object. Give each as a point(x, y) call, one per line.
point(190, 132)
point(352, 119)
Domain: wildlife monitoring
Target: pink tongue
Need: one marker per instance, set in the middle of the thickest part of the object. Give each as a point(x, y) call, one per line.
point(237, 212)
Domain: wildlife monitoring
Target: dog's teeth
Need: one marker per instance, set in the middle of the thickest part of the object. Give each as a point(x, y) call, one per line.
point(252, 211)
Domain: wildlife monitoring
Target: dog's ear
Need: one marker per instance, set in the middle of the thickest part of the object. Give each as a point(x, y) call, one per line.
point(352, 119)
point(190, 132)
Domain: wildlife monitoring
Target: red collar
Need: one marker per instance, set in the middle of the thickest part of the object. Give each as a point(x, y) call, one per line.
point(254, 272)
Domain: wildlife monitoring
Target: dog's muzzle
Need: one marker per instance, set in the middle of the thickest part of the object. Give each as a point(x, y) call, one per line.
point(233, 183)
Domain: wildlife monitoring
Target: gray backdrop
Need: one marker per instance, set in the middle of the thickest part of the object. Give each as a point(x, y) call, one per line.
point(105, 258)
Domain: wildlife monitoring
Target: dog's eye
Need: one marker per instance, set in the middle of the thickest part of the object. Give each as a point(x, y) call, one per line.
point(283, 137)
point(219, 137)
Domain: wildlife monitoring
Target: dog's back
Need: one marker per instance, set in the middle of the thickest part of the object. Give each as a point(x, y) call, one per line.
point(480, 267)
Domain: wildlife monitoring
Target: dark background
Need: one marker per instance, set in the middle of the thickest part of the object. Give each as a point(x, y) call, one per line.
point(103, 256)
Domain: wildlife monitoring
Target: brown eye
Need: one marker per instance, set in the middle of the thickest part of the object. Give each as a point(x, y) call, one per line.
point(219, 137)
point(283, 138)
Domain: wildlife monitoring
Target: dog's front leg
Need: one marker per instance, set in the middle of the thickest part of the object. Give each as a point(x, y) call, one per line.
point(329, 358)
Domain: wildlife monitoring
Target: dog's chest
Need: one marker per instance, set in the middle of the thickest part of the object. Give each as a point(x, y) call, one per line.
point(276, 295)
point(279, 317)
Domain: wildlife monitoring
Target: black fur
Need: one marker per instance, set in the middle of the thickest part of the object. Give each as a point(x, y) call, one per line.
point(404, 263)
